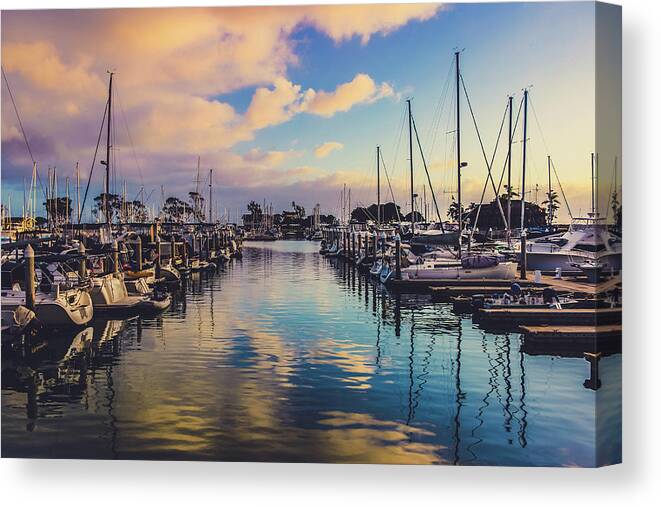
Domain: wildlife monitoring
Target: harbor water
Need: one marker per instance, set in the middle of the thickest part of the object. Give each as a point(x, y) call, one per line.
point(289, 356)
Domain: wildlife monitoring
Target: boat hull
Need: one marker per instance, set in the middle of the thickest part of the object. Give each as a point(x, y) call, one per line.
point(550, 261)
point(502, 271)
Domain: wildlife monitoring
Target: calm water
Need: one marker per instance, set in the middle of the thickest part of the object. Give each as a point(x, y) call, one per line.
point(287, 356)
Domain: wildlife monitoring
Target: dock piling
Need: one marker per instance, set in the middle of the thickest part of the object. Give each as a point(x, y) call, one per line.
point(398, 257)
point(138, 253)
point(594, 382)
point(173, 250)
point(524, 255)
point(353, 247)
point(82, 266)
point(157, 263)
point(115, 256)
point(28, 253)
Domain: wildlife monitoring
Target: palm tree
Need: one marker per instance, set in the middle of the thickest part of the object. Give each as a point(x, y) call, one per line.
point(552, 204)
point(453, 210)
point(511, 192)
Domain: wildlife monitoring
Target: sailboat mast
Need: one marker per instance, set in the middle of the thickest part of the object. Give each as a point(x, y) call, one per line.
point(210, 195)
point(78, 191)
point(408, 101)
point(523, 176)
point(106, 203)
point(592, 182)
point(550, 203)
point(596, 184)
point(67, 201)
point(458, 113)
point(509, 166)
point(378, 185)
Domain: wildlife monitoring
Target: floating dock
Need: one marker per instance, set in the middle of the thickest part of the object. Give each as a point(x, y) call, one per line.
point(550, 316)
point(572, 340)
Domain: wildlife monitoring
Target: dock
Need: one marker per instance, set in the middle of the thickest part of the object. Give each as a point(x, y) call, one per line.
point(460, 286)
point(550, 316)
point(572, 340)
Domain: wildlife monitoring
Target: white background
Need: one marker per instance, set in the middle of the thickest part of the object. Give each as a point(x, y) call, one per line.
point(637, 481)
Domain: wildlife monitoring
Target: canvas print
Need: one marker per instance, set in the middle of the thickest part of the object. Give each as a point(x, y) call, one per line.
point(368, 233)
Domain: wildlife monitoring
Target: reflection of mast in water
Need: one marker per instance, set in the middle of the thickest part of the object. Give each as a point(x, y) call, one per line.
point(411, 354)
point(111, 412)
point(508, 386)
point(31, 406)
point(398, 314)
point(424, 373)
point(459, 399)
point(523, 422)
point(493, 371)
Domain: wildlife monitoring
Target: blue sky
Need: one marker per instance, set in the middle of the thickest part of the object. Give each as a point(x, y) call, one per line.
point(505, 47)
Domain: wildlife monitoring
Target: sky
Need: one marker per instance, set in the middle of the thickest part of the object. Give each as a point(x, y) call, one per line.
point(289, 103)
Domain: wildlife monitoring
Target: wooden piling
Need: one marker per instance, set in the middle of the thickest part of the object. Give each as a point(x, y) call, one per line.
point(28, 253)
point(82, 266)
point(344, 243)
point(138, 253)
point(398, 258)
point(353, 247)
point(184, 252)
point(524, 256)
point(157, 263)
point(594, 382)
point(115, 256)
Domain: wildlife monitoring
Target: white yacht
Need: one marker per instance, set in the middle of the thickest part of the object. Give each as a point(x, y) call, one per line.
point(587, 242)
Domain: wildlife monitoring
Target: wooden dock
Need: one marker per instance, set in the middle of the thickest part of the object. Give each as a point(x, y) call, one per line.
point(565, 316)
point(470, 286)
point(463, 287)
point(445, 293)
point(572, 332)
point(572, 341)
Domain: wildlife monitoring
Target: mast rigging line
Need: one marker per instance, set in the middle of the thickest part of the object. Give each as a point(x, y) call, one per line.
point(18, 116)
point(562, 191)
point(25, 137)
point(493, 156)
point(424, 164)
point(96, 151)
point(502, 173)
point(484, 154)
point(541, 133)
point(385, 170)
point(438, 112)
point(128, 133)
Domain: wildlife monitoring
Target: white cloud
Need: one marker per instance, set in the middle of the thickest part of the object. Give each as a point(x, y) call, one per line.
point(325, 149)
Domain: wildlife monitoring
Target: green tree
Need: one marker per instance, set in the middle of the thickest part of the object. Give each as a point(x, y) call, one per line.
point(513, 193)
point(453, 211)
point(176, 210)
point(59, 208)
point(552, 205)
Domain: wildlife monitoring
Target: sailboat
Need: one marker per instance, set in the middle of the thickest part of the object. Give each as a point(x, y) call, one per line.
point(464, 265)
